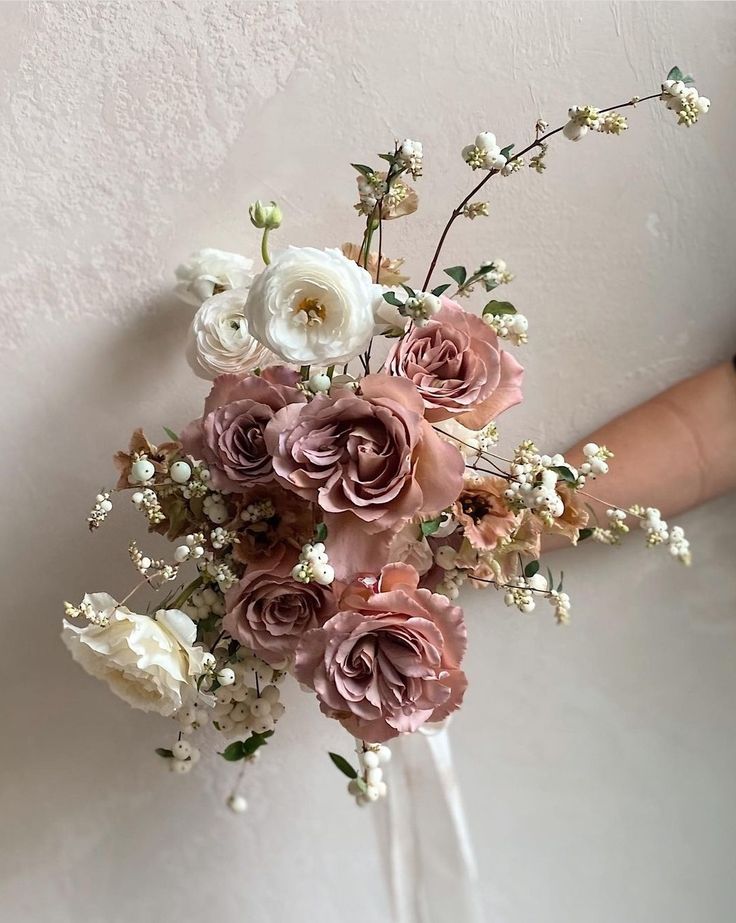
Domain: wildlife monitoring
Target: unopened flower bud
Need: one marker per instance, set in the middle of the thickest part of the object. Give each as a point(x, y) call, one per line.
point(263, 215)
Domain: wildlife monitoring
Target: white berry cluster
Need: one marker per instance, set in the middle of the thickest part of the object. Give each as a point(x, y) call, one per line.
point(685, 101)
point(258, 512)
point(184, 757)
point(143, 564)
point(475, 210)
point(411, 155)
point(420, 307)
point(374, 187)
point(142, 470)
point(511, 327)
point(146, 501)
point(204, 603)
point(100, 511)
point(250, 702)
point(616, 528)
point(534, 482)
point(596, 461)
point(215, 508)
point(192, 718)
point(658, 532)
point(494, 273)
point(222, 538)
point(192, 548)
point(87, 610)
point(454, 577)
point(370, 786)
point(521, 594)
point(513, 166)
point(313, 565)
point(485, 153)
point(582, 120)
point(197, 484)
point(222, 572)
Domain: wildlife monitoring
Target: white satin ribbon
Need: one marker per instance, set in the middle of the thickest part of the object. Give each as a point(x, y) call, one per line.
point(423, 835)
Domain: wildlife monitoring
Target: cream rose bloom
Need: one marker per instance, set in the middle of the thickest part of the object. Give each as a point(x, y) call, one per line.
point(219, 340)
point(210, 271)
point(312, 307)
point(151, 664)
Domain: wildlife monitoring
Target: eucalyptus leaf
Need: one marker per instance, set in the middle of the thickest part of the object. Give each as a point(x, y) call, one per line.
point(499, 307)
point(343, 765)
point(362, 168)
point(458, 274)
point(233, 752)
point(392, 299)
point(566, 474)
point(255, 742)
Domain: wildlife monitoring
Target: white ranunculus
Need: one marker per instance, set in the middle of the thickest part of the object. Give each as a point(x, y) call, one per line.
point(152, 664)
point(210, 271)
point(219, 340)
point(312, 307)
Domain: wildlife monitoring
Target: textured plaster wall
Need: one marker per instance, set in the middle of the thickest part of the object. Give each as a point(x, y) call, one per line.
point(598, 762)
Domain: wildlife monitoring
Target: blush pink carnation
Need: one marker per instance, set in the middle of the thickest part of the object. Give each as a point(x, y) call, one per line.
point(370, 461)
point(458, 368)
point(389, 660)
point(229, 435)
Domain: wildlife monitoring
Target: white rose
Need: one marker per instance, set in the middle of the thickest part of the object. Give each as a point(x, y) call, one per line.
point(219, 340)
point(210, 271)
point(151, 664)
point(312, 307)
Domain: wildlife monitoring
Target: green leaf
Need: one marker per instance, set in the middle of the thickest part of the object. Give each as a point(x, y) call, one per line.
point(430, 526)
point(233, 751)
point(457, 273)
point(388, 157)
point(440, 289)
point(688, 80)
point(562, 577)
point(391, 298)
point(531, 569)
point(506, 151)
point(254, 742)
point(566, 474)
point(362, 168)
point(409, 291)
point(583, 534)
point(171, 434)
point(499, 307)
point(343, 765)
point(166, 754)
point(675, 74)
point(320, 532)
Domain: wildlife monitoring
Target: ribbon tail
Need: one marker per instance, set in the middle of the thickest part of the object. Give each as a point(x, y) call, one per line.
point(424, 838)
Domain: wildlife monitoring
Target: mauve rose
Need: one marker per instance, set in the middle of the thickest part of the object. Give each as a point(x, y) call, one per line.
point(229, 435)
point(369, 460)
point(458, 368)
point(389, 661)
point(269, 612)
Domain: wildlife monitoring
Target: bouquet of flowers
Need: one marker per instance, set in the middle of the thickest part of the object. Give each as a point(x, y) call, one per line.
point(326, 508)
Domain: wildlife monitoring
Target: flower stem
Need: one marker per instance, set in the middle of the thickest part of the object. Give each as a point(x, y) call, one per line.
point(538, 142)
point(264, 247)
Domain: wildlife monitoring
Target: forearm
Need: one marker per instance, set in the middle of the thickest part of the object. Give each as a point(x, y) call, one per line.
point(675, 451)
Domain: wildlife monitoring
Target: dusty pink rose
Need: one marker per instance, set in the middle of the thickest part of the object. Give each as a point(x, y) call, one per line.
point(369, 460)
point(229, 435)
point(389, 660)
point(268, 611)
point(458, 368)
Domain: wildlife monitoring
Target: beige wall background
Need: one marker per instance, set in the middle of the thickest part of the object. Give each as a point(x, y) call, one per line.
point(598, 762)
